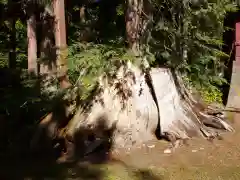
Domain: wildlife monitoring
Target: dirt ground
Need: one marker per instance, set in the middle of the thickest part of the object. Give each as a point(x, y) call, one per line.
point(200, 160)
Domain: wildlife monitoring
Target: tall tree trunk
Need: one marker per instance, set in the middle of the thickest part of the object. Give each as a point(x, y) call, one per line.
point(61, 44)
point(133, 24)
point(52, 121)
point(48, 67)
point(138, 16)
point(136, 24)
point(32, 45)
point(48, 70)
point(82, 14)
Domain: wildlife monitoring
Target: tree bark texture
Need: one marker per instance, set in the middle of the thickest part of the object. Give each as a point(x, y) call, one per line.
point(61, 42)
point(134, 111)
point(32, 45)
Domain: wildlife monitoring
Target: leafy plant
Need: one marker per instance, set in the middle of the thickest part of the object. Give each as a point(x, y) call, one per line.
point(187, 36)
point(87, 62)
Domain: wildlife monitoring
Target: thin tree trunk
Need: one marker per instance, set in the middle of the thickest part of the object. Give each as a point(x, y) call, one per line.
point(138, 16)
point(48, 67)
point(133, 23)
point(82, 14)
point(32, 45)
point(61, 44)
point(48, 70)
point(50, 123)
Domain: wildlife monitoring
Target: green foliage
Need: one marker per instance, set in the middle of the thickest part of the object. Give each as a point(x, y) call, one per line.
point(120, 10)
point(21, 44)
point(21, 48)
point(209, 94)
point(187, 36)
point(87, 62)
point(3, 60)
point(3, 2)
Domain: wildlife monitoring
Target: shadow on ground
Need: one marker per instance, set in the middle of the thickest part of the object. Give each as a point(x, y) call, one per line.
point(18, 125)
point(96, 165)
point(85, 169)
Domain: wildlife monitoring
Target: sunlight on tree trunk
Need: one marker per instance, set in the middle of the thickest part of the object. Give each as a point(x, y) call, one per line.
point(32, 45)
point(82, 14)
point(49, 123)
point(61, 44)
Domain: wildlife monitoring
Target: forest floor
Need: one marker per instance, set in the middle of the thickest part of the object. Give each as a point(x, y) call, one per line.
point(200, 160)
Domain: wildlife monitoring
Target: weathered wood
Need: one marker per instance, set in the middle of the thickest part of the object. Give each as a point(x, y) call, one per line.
point(180, 116)
point(133, 112)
